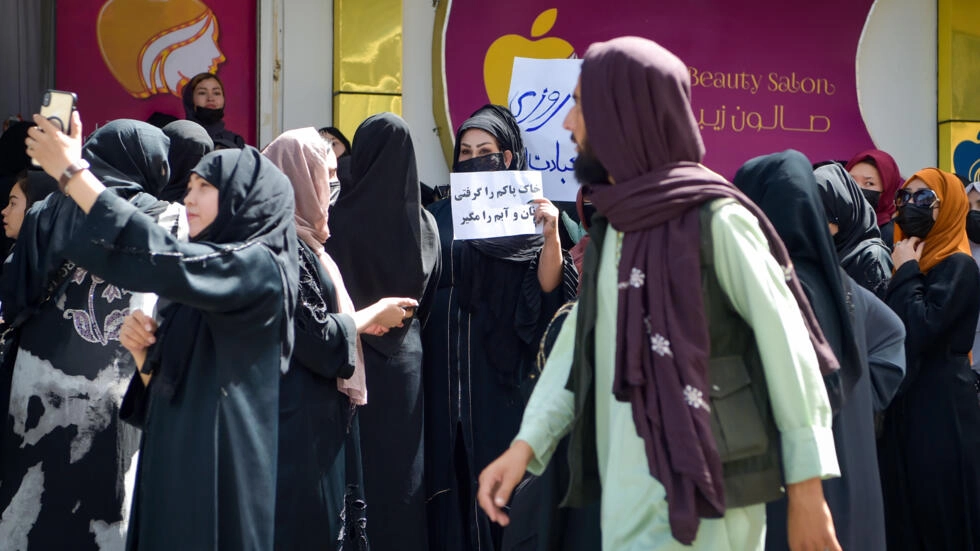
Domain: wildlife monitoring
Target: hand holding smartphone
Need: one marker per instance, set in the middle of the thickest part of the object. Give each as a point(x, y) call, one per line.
point(57, 106)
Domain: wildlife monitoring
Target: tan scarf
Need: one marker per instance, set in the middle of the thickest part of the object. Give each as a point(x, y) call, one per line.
point(310, 164)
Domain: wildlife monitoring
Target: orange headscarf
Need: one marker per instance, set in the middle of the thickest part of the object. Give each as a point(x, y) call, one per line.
point(948, 235)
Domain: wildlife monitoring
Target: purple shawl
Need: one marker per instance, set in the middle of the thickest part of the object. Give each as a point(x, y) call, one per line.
point(635, 98)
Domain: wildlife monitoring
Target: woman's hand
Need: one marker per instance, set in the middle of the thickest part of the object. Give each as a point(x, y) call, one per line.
point(546, 214)
point(381, 316)
point(136, 335)
point(53, 149)
point(906, 250)
point(550, 260)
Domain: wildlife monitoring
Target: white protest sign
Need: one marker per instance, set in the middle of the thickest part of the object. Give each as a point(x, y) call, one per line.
point(540, 97)
point(493, 204)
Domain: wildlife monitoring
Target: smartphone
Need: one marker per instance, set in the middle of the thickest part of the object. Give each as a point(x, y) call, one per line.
point(58, 106)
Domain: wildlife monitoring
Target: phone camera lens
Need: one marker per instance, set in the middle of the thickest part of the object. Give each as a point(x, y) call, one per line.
point(47, 98)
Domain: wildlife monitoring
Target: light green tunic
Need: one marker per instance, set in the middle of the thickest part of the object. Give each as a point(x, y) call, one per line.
point(634, 508)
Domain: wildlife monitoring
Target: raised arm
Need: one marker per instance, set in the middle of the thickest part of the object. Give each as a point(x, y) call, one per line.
point(127, 248)
point(550, 261)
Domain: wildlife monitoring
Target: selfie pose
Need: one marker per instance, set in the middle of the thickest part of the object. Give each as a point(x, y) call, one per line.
point(209, 410)
point(67, 462)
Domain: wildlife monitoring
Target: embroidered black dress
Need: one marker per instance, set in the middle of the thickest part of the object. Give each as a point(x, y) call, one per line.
point(67, 462)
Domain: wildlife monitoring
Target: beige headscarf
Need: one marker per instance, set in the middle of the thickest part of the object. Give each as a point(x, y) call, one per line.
point(310, 164)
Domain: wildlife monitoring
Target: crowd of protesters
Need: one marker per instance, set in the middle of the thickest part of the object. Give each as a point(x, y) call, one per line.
point(209, 346)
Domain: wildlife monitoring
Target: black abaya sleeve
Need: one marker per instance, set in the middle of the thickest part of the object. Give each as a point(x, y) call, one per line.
point(328, 349)
point(434, 249)
point(129, 249)
point(932, 305)
point(885, 344)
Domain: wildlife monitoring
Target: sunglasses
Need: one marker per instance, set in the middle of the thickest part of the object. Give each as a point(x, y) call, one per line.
point(925, 198)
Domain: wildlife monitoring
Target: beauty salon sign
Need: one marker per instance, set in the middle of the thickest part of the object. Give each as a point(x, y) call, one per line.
point(130, 58)
point(766, 75)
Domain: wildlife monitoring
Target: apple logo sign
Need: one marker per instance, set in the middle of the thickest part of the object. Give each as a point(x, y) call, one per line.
point(966, 159)
point(499, 61)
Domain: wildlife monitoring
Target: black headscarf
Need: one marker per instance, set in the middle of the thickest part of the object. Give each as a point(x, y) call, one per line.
point(500, 123)
point(221, 136)
point(38, 186)
point(379, 237)
point(784, 187)
point(13, 161)
point(13, 150)
point(863, 254)
point(255, 204)
point(189, 142)
point(127, 156)
point(846, 206)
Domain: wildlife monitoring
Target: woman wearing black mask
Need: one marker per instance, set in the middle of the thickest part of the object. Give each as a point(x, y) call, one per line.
point(494, 302)
point(204, 103)
point(931, 438)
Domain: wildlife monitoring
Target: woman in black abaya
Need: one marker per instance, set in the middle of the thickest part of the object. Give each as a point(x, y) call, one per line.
point(389, 246)
point(863, 254)
point(783, 185)
point(320, 481)
point(495, 299)
point(208, 393)
point(67, 460)
point(931, 436)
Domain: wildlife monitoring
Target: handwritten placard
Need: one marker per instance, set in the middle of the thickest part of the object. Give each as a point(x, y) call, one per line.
point(540, 97)
point(494, 204)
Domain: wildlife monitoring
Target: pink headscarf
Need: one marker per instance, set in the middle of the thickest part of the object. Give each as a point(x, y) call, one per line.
point(310, 164)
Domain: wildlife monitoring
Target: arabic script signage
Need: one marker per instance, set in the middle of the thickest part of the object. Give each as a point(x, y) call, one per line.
point(766, 75)
point(494, 204)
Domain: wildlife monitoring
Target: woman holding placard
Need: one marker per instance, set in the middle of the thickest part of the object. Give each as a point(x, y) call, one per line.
point(494, 302)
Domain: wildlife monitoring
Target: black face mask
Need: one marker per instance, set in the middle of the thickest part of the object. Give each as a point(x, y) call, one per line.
point(872, 196)
point(915, 221)
point(973, 225)
point(487, 163)
point(209, 116)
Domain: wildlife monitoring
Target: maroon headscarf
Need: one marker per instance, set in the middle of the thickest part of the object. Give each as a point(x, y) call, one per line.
point(891, 180)
point(635, 98)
